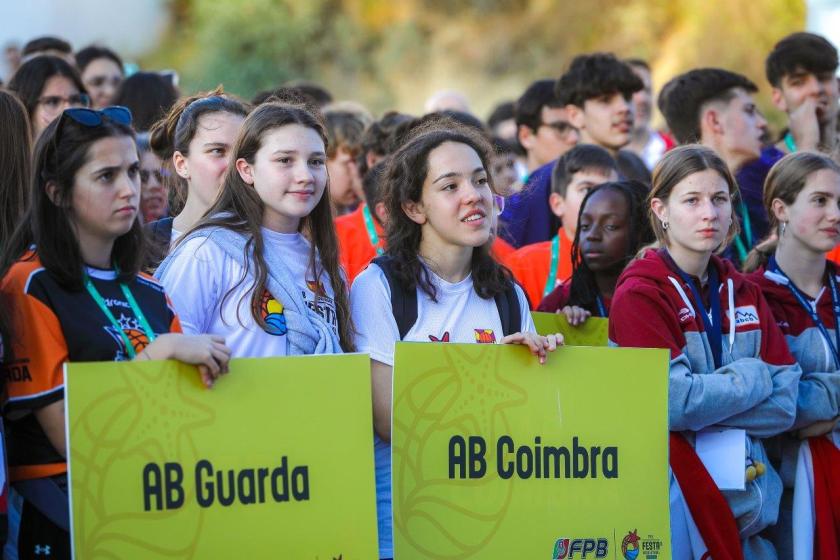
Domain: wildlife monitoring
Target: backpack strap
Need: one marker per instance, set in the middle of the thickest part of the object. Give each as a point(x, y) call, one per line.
point(403, 301)
point(510, 314)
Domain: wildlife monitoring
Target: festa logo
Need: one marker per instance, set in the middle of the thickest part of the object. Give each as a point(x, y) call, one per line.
point(746, 315)
point(630, 545)
point(580, 548)
point(685, 315)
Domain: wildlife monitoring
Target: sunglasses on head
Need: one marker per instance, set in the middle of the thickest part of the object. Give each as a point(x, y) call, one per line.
point(90, 118)
point(93, 117)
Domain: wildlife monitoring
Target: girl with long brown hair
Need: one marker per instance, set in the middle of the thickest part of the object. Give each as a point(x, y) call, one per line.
point(730, 370)
point(439, 197)
point(261, 266)
point(802, 198)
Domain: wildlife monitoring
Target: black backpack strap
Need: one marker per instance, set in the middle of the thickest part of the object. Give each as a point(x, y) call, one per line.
point(510, 314)
point(403, 302)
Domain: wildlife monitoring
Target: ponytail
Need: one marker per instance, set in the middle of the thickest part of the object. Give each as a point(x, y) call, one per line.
point(174, 132)
point(761, 253)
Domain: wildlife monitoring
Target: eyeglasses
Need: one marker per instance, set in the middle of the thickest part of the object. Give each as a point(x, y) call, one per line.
point(563, 128)
point(54, 102)
point(499, 203)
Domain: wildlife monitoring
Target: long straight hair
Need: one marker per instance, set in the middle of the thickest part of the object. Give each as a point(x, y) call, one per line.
point(49, 225)
point(239, 208)
point(403, 184)
point(785, 181)
point(15, 163)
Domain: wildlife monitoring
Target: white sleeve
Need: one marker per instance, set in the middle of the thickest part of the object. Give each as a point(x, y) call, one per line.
point(525, 311)
point(370, 308)
point(192, 283)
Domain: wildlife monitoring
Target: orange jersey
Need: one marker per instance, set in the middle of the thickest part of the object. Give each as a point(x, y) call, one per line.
point(531, 267)
point(834, 255)
point(501, 250)
point(52, 325)
point(355, 249)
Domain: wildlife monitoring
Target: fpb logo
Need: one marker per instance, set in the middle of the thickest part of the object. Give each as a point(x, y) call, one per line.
point(580, 548)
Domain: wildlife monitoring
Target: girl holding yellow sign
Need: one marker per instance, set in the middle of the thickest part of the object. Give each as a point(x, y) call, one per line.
point(733, 382)
point(71, 277)
point(437, 281)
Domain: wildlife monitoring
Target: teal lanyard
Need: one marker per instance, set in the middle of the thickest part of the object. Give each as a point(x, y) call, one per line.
point(552, 271)
point(747, 231)
point(97, 297)
point(371, 230)
point(790, 143)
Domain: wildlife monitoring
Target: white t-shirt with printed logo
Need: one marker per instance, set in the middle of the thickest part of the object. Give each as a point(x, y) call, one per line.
point(200, 277)
point(459, 315)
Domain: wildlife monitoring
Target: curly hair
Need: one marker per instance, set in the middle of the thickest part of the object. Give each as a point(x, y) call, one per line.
point(402, 184)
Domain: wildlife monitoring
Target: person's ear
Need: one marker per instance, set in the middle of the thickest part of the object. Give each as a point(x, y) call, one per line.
point(182, 168)
point(246, 172)
point(526, 137)
point(778, 99)
point(557, 203)
point(575, 116)
point(780, 210)
point(381, 213)
point(660, 209)
point(415, 212)
point(51, 189)
point(710, 123)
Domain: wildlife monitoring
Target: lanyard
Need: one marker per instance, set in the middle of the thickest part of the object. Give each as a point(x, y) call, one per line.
point(790, 143)
point(602, 311)
point(747, 231)
point(711, 320)
point(371, 230)
point(97, 297)
point(773, 266)
point(552, 267)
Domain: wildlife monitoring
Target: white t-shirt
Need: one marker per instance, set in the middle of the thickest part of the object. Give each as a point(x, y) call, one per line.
point(459, 315)
point(199, 278)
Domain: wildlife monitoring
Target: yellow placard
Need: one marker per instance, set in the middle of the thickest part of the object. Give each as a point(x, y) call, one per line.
point(275, 461)
point(593, 332)
point(495, 456)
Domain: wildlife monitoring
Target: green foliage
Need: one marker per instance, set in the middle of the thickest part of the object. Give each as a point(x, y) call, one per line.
point(394, 54)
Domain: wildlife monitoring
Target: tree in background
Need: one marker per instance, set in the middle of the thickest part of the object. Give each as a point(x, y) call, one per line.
point(394, 54)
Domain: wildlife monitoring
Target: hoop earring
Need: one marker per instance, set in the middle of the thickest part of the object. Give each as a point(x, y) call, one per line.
point(665, 225)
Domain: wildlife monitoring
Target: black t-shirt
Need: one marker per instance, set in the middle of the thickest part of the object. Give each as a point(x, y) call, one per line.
point(53, 325)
